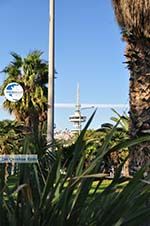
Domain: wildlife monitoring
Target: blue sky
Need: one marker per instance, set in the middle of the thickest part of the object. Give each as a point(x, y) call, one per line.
point(89, 50)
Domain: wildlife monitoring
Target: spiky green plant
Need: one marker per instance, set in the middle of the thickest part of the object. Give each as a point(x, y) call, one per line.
point(71, 199)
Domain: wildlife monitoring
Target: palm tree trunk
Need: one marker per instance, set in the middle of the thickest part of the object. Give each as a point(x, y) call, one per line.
point(138, 60)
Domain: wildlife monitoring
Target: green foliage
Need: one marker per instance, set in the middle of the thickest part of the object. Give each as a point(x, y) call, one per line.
point(11, 136)
point(94, 139)
point(72, 200)
point(32, 73)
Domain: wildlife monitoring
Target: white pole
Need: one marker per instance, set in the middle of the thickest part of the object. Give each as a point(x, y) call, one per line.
point(51, 73)
point(78, 97)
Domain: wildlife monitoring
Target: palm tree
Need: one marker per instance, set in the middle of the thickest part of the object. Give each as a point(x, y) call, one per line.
point(133, 17)
point(11, 137)
point(32, 73)
point(11, 141)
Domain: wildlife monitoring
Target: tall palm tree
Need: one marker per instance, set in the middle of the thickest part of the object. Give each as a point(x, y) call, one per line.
point(32, 73)
point(133, 17)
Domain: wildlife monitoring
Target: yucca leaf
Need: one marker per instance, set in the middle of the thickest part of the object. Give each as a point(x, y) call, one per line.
point(130, 142)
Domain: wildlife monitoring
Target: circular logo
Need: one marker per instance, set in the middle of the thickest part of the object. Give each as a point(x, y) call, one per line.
point(13, 92)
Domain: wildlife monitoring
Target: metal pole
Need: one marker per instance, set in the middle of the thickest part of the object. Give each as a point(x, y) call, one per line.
point(78, 107)
point(51, 73)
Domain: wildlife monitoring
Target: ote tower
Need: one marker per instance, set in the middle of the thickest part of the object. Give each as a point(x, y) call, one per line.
point(77, 119)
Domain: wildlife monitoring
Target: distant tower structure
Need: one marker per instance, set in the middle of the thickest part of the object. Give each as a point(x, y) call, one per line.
point(77, 119)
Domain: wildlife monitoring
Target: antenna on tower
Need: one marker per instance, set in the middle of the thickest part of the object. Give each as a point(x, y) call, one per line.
point(78, 105)
point(77, 119)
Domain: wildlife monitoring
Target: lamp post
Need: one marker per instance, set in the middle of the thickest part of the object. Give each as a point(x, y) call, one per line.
point(51, 73)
